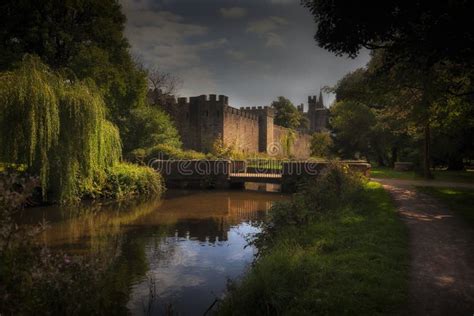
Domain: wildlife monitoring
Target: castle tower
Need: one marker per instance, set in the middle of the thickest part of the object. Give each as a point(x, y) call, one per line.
point(265, 116)
point(318, 114)
point(320, 101)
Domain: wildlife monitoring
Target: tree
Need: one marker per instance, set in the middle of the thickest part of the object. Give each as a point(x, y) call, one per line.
point(347, 117)
point(56, 128)
point(390, 134)
point(321, 145)
point(286, 114)
point(149, 127)
point(163, 87)
point(80, 38)
point(428, 48)
point(165, 82)
point(422, 32)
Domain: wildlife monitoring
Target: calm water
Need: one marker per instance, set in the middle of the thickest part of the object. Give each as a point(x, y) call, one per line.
point(175, 254)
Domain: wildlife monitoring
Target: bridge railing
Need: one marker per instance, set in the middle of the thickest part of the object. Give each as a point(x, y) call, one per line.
point(265, 166)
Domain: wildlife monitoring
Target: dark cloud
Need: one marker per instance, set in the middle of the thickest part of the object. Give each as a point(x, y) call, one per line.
point(252, 51)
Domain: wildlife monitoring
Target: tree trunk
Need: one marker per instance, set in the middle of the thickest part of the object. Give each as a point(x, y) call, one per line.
point(427, 152)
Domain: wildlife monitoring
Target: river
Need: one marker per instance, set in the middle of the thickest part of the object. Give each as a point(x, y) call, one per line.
point(175, 254)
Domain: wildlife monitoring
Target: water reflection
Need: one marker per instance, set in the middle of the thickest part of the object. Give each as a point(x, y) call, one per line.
point(176, 252)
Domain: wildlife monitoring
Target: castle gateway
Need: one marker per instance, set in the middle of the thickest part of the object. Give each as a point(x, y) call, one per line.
point(203, 120)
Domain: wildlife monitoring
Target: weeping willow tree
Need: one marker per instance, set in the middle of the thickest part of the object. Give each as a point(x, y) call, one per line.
point(57, 128)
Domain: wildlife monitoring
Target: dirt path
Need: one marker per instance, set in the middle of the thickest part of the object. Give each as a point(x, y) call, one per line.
point(442, 254)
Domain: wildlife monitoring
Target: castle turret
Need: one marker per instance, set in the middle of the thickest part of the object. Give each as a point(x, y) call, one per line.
point(318, 115)
point(320, 101)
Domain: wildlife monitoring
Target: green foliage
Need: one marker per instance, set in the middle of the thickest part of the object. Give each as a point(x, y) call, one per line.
point(81, 39)
point(412, 70)
point(146, 156)
point(124, 180)
point(321, 145)
point(149, 127)
point(336, 188)
point(351, 123)
point(223, 151)
point(351, 259)
point(394, 26)
point(287, 141)
point(286, 114)
point(55, 127)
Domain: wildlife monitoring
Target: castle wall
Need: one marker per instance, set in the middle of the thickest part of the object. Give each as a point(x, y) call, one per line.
point(265, 125)
point(204, 119)
point(300, 147)
point(241, 130)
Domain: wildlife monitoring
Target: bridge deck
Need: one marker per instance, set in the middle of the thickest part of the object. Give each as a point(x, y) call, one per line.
point(256, 177)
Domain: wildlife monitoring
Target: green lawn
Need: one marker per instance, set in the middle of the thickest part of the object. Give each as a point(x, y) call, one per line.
point(353, 263)
point(460, 201)
point(442, 175)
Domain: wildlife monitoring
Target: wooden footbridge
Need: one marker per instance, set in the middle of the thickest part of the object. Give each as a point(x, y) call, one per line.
point(235, 173)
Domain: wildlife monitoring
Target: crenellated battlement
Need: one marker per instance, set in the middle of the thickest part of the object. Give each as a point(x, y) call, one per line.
point(240, 112)
point(203, 119)
point(260, 110)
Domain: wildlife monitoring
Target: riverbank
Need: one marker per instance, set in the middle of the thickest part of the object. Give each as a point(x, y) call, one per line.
point(351, 260)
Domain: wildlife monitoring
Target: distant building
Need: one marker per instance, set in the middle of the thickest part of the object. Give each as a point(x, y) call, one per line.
point(202, 120)
point(318, 115)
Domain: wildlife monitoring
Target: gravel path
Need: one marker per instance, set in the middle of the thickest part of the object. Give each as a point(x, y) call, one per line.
point(442, 253)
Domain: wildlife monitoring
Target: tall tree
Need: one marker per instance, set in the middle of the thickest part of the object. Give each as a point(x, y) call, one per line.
point(56, 128)
point(427, 46)
point(286, 114)
point(82, 39)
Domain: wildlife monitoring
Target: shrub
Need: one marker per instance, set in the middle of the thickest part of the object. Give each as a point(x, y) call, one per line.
point(321, 145)
point(145, 156)
point(335, 189)
point(150, 126)
point(125, 179)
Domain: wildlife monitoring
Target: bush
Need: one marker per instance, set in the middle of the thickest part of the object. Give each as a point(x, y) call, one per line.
point(145, 156)
point(124, 180)
point(335, 189)
point(321, 145)
point(149, 127)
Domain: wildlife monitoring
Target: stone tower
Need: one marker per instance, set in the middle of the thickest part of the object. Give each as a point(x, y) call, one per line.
point(318, 114)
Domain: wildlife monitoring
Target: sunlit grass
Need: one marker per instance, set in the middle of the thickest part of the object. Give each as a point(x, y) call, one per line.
point(442, 175)
point(354, 263)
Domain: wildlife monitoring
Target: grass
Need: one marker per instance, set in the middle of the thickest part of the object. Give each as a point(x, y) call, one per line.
point(355, 262)
point(441, 175)
point(460, 201)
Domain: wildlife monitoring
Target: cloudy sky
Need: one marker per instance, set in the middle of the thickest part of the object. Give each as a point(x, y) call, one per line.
point(250, 50)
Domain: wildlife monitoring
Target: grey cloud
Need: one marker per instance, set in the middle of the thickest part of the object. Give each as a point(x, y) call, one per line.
point(233, 13)
point(253, 59)
point(266, 25)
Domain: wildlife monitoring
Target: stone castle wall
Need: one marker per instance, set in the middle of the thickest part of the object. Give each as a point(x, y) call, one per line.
point(299, 144)
point(241, 130)
point(204, 119)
